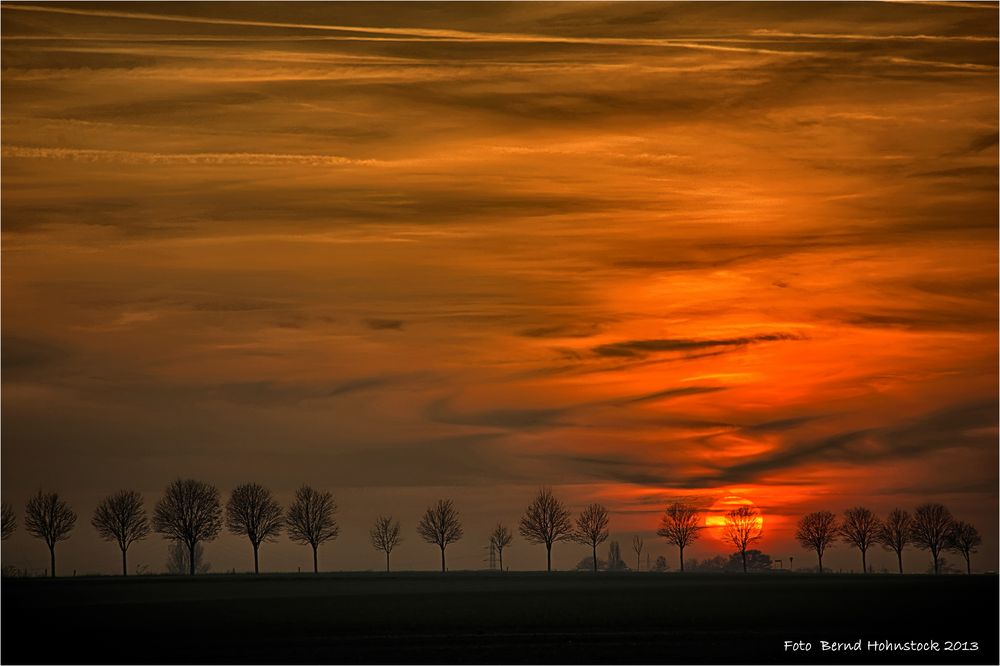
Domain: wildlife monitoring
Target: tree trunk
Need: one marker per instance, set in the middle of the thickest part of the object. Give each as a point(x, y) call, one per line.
point(744, 553)
point(864, 563)
point(899, 556)
point(501, 560)
point(442, 560)
point(315, 559)
point(124, 564)
point(968, 563)
point(681, 548)
point(191, 548)
point(595, 559)
point(936, 565)
point(256, 564)
point(637, 556)
point(548, 557)
point(52, 560)
point(387, 561)
point(820, 556)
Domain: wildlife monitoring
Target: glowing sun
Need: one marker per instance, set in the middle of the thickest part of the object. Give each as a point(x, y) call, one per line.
point(715, 518)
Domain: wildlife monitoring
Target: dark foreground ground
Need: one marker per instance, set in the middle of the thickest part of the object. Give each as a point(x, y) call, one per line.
point(497, 618)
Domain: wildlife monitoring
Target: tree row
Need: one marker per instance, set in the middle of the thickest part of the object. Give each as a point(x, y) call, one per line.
point(191, 512)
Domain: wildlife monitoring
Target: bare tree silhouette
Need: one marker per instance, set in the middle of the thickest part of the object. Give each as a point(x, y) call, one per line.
point(49, 518)
point(592, 528)
point(385, 536)
point(637, 548)
point(9, 520)
point(744, 527)
point(932, 523)
point(860, 529)
point(121, 518)
point(817, 531)
point(189, 512)
point(253, 512)
point(896, 533)
point(500, 538)
point(440, 525)
point(546, 521)
point(964, 538)
point(311, 520)
point(680, 526)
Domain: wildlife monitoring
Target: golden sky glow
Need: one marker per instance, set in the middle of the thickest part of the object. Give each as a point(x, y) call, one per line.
point(715, 515)
point(632, 251)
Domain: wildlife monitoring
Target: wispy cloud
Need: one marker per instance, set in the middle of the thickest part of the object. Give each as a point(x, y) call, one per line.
point(670, 393)
point(377, 324)
point(646, 347)
point(398, 34)
point(636, 249)
point(967, 425)
point(209, 159)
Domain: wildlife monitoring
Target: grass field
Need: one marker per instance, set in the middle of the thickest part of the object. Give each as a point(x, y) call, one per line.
point(495, 618)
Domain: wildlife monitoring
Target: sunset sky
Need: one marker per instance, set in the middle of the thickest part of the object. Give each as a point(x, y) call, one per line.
point(408, 251)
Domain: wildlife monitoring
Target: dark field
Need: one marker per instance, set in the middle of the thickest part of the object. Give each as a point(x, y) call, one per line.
point(508, 618)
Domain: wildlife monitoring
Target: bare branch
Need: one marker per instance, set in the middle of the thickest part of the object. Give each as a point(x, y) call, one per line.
point(680, 526)
point(49, 518)
point(253, 512)
point(965, 539)
point(121, 518)
point(592, 529)
point(189, 512)
point(860, 529)
point(440, 525)
point(744, 527)
point(637, 549)
point(500, 538)
point(385, 536)
point(311, 520)
point(592, 526)
point(817, 531)
point(9, 520)
point(546, 521)
point(932, 525)
point(896, 533)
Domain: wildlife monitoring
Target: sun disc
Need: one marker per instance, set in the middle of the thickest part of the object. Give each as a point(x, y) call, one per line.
point(715, 518)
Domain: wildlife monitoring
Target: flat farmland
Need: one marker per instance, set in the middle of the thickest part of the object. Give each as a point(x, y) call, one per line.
point(470, 617)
